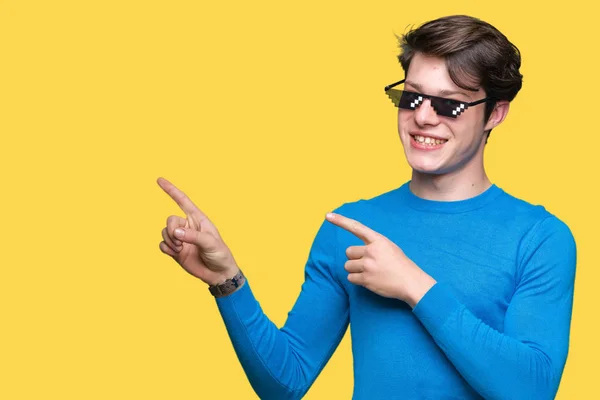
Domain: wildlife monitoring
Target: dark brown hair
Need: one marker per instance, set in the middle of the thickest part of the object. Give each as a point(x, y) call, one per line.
point(476, 54)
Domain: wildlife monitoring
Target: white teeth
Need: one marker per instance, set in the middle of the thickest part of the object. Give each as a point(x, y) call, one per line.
point(428, 140)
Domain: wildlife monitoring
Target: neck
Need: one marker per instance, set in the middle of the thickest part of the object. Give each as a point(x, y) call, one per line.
point(453, 186)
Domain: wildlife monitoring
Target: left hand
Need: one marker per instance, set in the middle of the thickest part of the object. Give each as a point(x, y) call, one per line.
point(381, 266)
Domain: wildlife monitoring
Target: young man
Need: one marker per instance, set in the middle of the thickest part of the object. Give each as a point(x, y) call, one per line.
point(452, 287)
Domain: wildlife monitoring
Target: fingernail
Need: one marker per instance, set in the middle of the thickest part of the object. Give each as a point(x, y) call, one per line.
point(330, 215)
point(179, 232)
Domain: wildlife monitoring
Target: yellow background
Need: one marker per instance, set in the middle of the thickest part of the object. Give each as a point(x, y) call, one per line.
point(268, 114)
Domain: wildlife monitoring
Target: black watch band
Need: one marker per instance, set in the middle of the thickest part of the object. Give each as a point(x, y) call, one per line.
point(229, 286)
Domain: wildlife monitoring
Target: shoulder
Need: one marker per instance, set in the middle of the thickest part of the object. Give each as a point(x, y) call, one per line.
point(533, 220)
point(536, 216)
point(546, 240)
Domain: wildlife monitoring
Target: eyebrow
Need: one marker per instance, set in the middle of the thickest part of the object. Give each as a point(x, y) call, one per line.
point(444, 92)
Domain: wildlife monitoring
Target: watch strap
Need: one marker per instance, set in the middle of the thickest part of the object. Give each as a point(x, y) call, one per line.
point(229, 286)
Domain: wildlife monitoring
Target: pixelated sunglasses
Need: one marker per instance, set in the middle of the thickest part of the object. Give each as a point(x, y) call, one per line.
point(442, 106)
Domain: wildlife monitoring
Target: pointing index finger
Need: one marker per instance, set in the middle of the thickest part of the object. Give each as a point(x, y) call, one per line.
point(179, 197)
point(366, 234)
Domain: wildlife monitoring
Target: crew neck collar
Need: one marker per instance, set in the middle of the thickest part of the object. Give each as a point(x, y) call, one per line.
point(455, 206)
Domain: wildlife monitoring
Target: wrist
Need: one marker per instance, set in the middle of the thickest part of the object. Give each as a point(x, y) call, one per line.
point(421, 287)
point(232, 283)
point(220, 277)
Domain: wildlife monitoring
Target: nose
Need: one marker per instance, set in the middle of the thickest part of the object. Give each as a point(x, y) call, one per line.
point(425, 114)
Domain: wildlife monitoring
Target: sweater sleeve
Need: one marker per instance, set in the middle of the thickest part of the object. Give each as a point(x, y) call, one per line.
point(284, 363)
point(527, 359)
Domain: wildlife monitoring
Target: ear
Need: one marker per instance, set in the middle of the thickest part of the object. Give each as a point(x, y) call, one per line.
point(499, 112)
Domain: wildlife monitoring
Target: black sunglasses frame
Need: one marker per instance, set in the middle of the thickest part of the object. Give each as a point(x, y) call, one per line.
point(461, 105)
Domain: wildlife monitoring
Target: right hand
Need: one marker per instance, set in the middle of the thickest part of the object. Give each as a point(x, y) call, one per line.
point(200, 251)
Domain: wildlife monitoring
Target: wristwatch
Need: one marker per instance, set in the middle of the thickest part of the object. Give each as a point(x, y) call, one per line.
point(229, 286)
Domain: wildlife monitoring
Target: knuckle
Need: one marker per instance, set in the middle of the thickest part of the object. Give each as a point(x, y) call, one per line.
point(170, 221)
point(162, 246)
point(173, 220)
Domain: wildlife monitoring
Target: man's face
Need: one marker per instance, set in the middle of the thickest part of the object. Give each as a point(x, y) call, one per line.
point(463, 137)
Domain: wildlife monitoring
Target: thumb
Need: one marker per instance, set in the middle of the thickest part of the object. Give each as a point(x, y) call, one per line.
point(205, 241)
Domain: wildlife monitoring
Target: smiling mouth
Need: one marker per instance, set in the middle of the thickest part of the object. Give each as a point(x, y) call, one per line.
point(428, 141)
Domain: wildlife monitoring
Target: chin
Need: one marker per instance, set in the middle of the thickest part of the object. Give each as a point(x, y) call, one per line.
point(426, 170)
point(423, 163)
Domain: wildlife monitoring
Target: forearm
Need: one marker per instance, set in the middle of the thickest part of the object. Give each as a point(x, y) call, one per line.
point(496, 365)
point(263, 350)
point(283, 363)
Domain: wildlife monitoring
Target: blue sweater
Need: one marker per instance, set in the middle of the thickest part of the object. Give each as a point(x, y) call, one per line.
point(495, 325)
